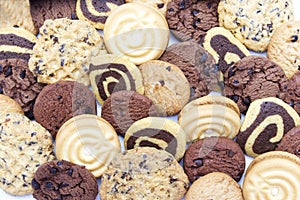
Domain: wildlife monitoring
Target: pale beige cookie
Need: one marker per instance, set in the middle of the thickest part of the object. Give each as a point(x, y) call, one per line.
point(273, 176)
point(144, 173)
point(8, 105)
point(166, 85)
point(284, 47)
point(88, 140)
point(64, 49)
point(253, 22)
point(137, 31)
point(215, 186)
point(210, 116)
point(24, 146)
point(160, 5)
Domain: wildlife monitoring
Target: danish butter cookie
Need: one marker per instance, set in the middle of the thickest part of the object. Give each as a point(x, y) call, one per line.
point(253, 22)
point(64, 49)
point(88, 140)
point(284, 47)
point(265, 124)
point(210, 116)
point(160, 5)
point(24, 146)
point(291, 142)
point(8, 105)
point(144, 173)
point(142, 35)
point(156, 132)
point(273, 175)
point(165, 85)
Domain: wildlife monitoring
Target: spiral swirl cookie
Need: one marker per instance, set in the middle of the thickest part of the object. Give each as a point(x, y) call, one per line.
point(265, 124)
point(160, 5)
point(88, 140)
point(156, 132)
point(137, 31)
point(8, 105)
point(273, 175)
point(210, 116)
point(291, 142)
point(112, 73)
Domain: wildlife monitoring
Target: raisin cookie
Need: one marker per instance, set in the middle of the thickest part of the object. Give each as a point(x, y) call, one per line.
point(160, 5)
point(291, 142)
point(8, 105)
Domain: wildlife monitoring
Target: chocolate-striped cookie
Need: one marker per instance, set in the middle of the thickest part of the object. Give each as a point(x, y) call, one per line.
point(112, 73)
point(160, 5)
point(96, 12)
point(156, 132)
point(265, 123)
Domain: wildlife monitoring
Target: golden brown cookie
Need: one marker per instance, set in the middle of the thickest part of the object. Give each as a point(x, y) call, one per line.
point(160, 5)
point(8, 105)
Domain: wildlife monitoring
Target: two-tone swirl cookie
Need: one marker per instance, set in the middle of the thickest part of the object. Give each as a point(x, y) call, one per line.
point(266, 122)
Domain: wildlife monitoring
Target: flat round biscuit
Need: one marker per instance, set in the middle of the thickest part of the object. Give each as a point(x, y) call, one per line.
point(290, 142)
point(160, 5)
point(24, 146)
point(8, 105)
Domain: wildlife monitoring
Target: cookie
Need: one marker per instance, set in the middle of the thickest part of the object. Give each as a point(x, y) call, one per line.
point(190, 20)
point(60, 101)
point(160, 5)
point(24, 146)
point(254, 77)
point(45, 9)
point(60, 179)
point(214, 154)
point(215, 186)
point(17, 82)
point(265, 123)
point(253, 22)
point(272, 175)
point(112, 73)
point(224, 47)
point(210, 116)
point(156, 132)
point(88, 140)
point(141, 36)
point(198, 66)
point(144, 173)
point(292, 93)
point(123, 108)
point(8, 105)
point(284, 47)
point(290, 142)
point(165, 85)
point(96, 12)
point(63, 51)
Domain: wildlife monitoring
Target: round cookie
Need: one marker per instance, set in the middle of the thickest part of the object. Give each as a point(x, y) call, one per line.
point(290, 142)
point(198, 66)
point(8, 105)
point(214, 154)
point(253, 22)
point(190, 20)
point(60, 179)
point(284, 47)
point(273, 175)
point(160, 5)
point(60, 101)
point(215, 186)
point(63, 51)
point(24, 146)
point(254, 77)
point(125, 107)
point(156, 132)
point(141, 36)
point(165, 85)
point(293, 92)
point(210, 116)
point(265, 124)
point(111, 73)
point(144, 173)
point(224, 47)
point(96, 12)
point(88, 140)
point(17, 82)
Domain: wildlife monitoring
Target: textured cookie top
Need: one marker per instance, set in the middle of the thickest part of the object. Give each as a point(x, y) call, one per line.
point(291, 142)
point(160, 5)
point(8, 105)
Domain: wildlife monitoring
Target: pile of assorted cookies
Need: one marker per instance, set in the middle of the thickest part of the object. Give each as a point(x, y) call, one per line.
point(80, 77)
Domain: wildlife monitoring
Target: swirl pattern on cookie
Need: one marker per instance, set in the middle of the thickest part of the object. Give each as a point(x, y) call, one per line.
point(265, 124)
point(160, 5)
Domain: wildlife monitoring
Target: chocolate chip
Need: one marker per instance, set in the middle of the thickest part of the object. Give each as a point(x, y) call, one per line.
point(172, 180)
point(22, 74)
point(61, 48)
point(35, 184)
point(8, 71)
point(55, 39)
point(170, 10)
point(70, 172)
point(294, 38)
point(298, 67)
point(168, 68)
point(249, 72)
point(162, 83)
point(195, 12)
point(37, 70)
point(235, 82)
point(1, 69)
point(198, 162)
point(247, 100)
point(51, 75)
point(62, 62)
point(230, 72)
point(292, 103)
point(203, 58)
point(1, 90)
point(64, 185)
point(230, 153)
point(53, 170)
point(209, 4)
point(235, 98)
point(286, 4)
point(181, 4)
point(33, 134)
point(16, 26)
point(45, 31)
point(48, 185)
point(160, 5)
point(60, 163)
point(59, 97)
point(73, 16)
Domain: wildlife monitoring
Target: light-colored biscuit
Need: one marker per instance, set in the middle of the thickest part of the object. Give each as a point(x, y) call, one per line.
point(24, 146)
point(8, 105)
point(88, 140)
point(137, 31)
point(160, 5)
point(166, 85)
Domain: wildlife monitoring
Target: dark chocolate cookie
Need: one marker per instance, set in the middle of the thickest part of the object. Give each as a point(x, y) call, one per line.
point(214, 154)
point(190, 20)
point(65, 181)
point(291, 142)
point(293, 92)
point(60, 101)
point(254, 77)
